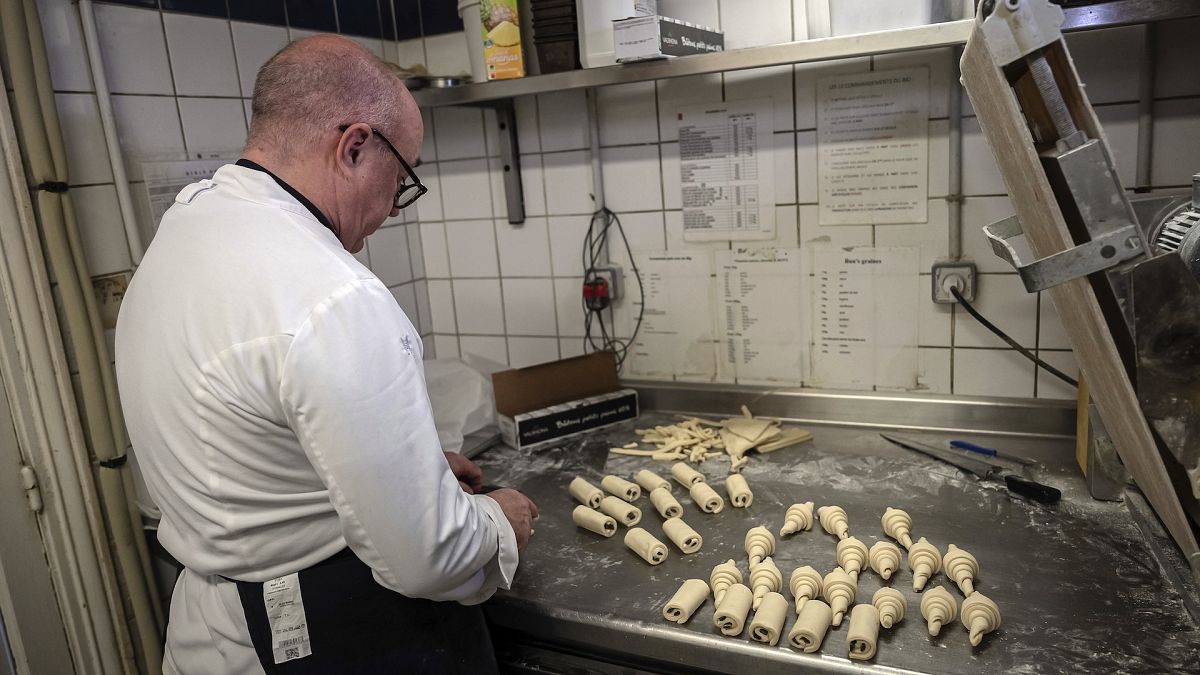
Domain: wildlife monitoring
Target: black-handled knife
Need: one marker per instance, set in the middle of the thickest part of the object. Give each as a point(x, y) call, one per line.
point(983, 470)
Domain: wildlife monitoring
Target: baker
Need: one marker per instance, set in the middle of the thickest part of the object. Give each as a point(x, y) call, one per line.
point(276, 402)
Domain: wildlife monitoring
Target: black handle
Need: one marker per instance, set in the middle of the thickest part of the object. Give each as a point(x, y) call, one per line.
point(1035, 491)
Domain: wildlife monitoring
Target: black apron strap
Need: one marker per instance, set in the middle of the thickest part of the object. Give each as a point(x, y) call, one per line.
point(357, 626)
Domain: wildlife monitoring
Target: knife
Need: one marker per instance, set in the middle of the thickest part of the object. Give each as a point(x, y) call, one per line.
point(981, 469)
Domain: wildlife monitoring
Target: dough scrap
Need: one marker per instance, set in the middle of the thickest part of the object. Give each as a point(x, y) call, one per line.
point(651, 481)
point(798, 517)
point(769, 618)
point(665, 503)
point(863, 633)
point(624, 513)
point(682, 535)
point(621, 488)
point(731, 613)
point(739, 492)
point(811, 625)
point(687, 599)
point(645, 545)
point(585, 493)
point(760, 543)
point(706, 498)
point(594, 521)
point(723, 576)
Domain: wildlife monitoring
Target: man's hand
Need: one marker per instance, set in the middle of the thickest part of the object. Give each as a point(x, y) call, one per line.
point(467, 472)
point(520, 511)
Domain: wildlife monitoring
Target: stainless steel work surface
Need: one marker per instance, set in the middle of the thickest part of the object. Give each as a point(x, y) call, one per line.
point(1076, 583)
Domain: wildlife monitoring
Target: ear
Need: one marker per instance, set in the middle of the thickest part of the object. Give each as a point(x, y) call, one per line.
point(350, 145)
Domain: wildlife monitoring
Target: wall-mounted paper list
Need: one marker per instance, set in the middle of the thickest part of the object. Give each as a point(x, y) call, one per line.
point(763, 336)
point(676, 338)
point(873, 136)
point(864, 321)
point(727, 171)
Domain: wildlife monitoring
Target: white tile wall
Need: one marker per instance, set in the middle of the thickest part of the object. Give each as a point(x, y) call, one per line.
point(562, 120)
point(632, 178)
point(992, 372)
point(100, 228)
point(1003, 300)
point(389, 255)
point(134, 50)
point(202, 60)
point(681, 92)
point(472, 247)
point(447, 54)
point(492, 348)
point(568, 183)
point(627, 114)
point(524, 249)
point(148, 129)
point(69, 70)
point(1109, 72)
point(933, 367)
point(478, 306)
point(459, 132)
point(566, 244)
point(775, 83)
point(1049, 386)
point(568, 302)
point(445, 346)
point(87, 153)
point(253, 44)
point(441, 306)
point(435, 255)
point(466, 188)
point(529, 307)
point(530, 351)
point(213, 124)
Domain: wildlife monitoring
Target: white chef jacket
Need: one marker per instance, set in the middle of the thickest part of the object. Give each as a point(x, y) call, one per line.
point(275, 397)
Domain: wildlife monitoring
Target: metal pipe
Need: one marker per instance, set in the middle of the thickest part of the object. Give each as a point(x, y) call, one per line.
point(594, 132)
point(954, 197)
point(1145, 151)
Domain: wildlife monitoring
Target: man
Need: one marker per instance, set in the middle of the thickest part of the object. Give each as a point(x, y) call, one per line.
point(275, 397)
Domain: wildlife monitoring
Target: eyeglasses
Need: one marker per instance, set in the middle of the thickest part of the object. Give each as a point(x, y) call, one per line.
point(408, 192)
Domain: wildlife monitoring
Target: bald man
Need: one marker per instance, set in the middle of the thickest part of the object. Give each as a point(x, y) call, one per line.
point(276, 402)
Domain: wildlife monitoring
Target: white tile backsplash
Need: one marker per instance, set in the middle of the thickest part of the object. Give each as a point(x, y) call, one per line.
point(466, 188)
point(1049, 386)
point(429, 207)
point(933, 370)
point(566, 244)
point(472, 247)
point(628, 114)
point(1051, 334)
point(684, 92)
point(775, 82)
point(446, 54)
point(807, 180)
point(1002, 299)
point(421, 288)
point(526, 110)
point(459, 132)
point(436, 255)
point(568, 301)
point(213, 124)
point(134, 50)
point(807, 75)
point(942, 71)
point(489, 347)
point(992, 372)
point(406, 297)
point(69, 69)
point(932, 236)
point(1108, 62)
point(632, 178)
point(1120, 124)
point(444, 347)
point(148, 129)
point(645, 233)
point(980, 176)
point(530, 351)
point(87, 153)
point(441, 307)
point(101, 229)
point(529, 307)
point(568, 347)
point(253, 45)
point(568, 183)
point(533, 186)
point(201, 51)
point(813, 233)
point(976, 213)
point(524, 249)
point(672, 180)
point(563, 120)
point(390, 257)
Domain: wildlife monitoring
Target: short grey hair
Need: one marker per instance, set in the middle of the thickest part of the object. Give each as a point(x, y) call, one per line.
point(312, 86)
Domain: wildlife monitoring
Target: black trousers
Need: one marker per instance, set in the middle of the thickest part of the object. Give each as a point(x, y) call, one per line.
point(357, 626)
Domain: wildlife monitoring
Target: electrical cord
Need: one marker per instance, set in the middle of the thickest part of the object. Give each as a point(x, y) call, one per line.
point(601, 224)
point(1011, 342)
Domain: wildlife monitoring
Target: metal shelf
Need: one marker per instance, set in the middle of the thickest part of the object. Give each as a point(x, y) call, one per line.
point(1086, 17)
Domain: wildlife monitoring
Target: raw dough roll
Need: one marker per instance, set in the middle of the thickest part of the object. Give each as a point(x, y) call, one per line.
point(891, 605)
point(839, 589)
point(798, 517)
point(625, 514)
point(682, 535)
point(706, 498)
point(833, 520)
point(924, 560)
point(665, 502)
point(686, 475)
point(585, 493)
point(980, 615)
point(851, 555)
point(690, 596)
point(939, 608)
point(645, 545)
point(760, 543)
point(769, 618)
point(621, 488)
point(594, 521)
point(863, 632)
point(739, 492)
point(651, 481)
point(723, 576)
point(962, 568)
point(885, 558)
point(805, 585)
point(731, 612)
point(811, 626)
point(898, 525)
point(765, 577)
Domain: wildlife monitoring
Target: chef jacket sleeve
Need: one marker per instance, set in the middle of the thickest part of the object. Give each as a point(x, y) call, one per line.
point(354, 392)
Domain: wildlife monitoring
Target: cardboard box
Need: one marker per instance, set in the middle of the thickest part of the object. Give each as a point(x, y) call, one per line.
point(543, 405)
point(643, 38)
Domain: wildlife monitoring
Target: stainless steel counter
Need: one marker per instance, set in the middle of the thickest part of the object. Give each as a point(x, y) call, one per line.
point(1077, 584)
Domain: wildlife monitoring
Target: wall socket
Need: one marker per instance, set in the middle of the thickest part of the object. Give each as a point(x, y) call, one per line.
point(950, 273)
point(612, 274)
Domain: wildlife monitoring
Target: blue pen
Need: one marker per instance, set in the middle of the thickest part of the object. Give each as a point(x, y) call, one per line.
point(989, 452)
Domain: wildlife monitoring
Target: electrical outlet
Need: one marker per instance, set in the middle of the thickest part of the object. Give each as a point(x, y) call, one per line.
point(612, 274)
point(951, 273)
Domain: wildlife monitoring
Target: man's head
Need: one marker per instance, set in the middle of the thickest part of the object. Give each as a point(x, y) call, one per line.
point(322, 109)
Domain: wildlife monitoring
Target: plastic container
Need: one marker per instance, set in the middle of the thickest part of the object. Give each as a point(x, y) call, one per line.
point(851, 17)
point(595, 29)
point(468, 11)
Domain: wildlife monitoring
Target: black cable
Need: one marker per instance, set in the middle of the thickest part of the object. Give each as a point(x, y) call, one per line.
point(1011, 342)
point(597, 235)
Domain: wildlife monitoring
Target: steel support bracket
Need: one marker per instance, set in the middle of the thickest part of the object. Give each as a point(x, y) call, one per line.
point(510, 157)
point(1103, 252)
